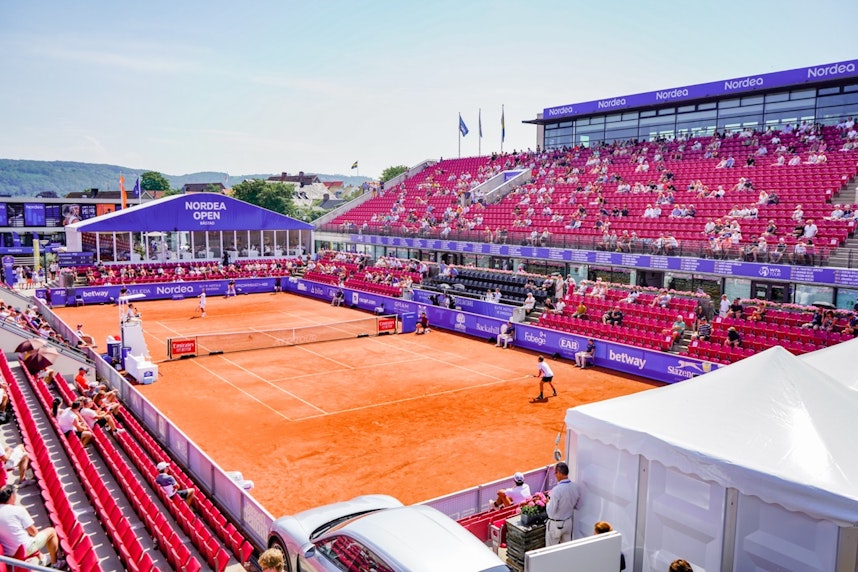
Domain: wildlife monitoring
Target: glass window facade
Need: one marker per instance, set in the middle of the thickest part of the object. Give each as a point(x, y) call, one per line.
point(828, 105)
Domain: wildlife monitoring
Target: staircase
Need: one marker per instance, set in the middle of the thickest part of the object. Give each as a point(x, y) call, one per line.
point(846, 256)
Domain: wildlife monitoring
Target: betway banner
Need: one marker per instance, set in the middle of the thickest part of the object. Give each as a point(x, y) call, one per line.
point(655, 365)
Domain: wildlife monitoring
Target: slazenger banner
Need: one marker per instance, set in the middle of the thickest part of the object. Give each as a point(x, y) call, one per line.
point(198, 211)
point(655, 365)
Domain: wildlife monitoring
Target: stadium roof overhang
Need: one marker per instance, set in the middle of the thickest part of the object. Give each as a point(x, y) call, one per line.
point(194, 212)
point(814, 76)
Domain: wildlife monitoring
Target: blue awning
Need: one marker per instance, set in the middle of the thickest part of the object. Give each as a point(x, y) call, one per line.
point(194, 212)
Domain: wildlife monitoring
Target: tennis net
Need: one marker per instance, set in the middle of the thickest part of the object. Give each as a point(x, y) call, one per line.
point(218, 343)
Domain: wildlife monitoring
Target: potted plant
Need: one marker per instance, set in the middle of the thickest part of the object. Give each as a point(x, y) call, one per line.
point(533, 511)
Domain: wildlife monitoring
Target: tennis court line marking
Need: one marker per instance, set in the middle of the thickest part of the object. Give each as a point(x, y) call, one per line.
point(268, 382)
point(407, 399)
point(259, 401)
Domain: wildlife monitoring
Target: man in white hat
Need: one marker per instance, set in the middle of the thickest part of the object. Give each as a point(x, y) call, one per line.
point(170, 486)
point(513, 495)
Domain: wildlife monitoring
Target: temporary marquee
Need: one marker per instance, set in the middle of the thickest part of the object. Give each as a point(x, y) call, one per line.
point(191, 212)
point(702, 460)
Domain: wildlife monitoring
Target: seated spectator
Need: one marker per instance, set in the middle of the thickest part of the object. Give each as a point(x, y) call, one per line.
point(558, 310)
point(776, 255)
point(422, 324)
point(816, 319)
point(736, 310)
point(17, 529)
point(758, 314)
point(799, 253)
point(506, 335)
point(85, 339)
point(84, 386)
point(70, 421)
point(17, 459)
point(633, 296)
point(587, 355)
point(529, 303)
point(829, 321)
point(704, 330)
point(93, 416)
point(758, 250)
point(548, 305)
point(733, 339)
point(662, 300)
point(614, 317)
point(851, 328)
point(338, 298)
point(676, 329)
point(513, 495)
point(170, 486)
point(580, 311)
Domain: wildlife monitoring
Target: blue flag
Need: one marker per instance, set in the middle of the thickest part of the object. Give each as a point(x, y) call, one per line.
point(463, 129)
point(136, 190)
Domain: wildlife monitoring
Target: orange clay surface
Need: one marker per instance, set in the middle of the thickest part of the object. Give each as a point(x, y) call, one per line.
point(413, 416)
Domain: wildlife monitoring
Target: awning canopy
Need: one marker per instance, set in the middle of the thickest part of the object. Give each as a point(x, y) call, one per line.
point(771, 426)
point(194, 212)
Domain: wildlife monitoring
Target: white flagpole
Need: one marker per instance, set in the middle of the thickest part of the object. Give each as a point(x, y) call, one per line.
point(480, 134)
point(459, 129)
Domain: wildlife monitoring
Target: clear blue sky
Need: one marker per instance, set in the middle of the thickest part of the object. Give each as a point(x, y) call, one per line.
point(270, 86)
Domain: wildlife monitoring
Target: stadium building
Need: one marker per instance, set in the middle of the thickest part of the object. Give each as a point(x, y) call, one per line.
point(747, 113)
point(825, 94)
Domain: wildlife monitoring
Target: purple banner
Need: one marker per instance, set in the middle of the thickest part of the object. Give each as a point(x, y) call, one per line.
point(655, 365)
point(727, 268)
point(159, 291)
point(716, 88)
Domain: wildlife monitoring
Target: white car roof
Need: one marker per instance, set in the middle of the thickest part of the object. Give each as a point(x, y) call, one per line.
point(420, 538)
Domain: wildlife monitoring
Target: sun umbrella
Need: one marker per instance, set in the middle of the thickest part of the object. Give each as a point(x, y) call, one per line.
point(826, 305)
point(40, 359)
point(30, 345)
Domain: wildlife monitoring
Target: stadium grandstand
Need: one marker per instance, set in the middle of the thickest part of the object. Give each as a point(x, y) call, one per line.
point(684, 230)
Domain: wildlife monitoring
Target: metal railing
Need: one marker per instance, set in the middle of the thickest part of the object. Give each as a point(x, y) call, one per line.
point(817, 256)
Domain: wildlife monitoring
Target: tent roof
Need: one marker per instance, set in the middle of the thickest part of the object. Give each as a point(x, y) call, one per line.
point(837, 361)
point(771, 426)
point(198, 211)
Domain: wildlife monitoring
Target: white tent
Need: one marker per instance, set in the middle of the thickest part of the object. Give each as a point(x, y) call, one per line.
point(752, 466)
point(838, 361)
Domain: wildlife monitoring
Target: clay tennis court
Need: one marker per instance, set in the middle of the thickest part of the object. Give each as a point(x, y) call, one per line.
point(413, 416)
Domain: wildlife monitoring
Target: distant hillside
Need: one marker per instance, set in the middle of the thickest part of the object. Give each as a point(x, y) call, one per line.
point(29, 178)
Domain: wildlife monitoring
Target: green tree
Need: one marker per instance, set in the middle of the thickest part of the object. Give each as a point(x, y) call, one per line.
point(275, 197)
point(154, 181)
point(392, 172)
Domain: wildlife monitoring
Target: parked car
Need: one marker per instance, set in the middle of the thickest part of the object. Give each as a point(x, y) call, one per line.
point(377, 533)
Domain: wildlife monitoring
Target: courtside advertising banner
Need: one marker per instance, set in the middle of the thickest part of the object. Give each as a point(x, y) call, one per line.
point(726, 268)
point(656, 365)
point(182, 347)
